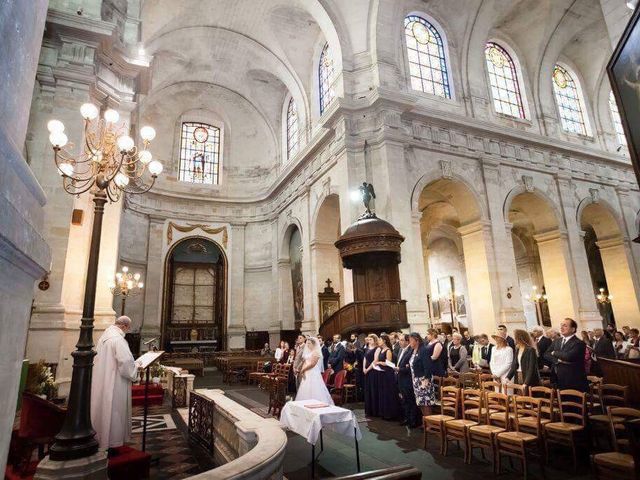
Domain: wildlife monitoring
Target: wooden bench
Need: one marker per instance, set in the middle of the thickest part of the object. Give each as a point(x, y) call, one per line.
point(193, 365)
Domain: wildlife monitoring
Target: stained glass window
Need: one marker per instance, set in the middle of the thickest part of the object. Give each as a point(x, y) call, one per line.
point(427, 63)
point(292, 129)
point(617, 122)
point(199, 153)
point(569, 102)
point(325, 76)
point(503, 78)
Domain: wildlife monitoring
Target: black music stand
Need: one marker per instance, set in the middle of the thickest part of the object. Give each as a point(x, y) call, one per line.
point(145, 362)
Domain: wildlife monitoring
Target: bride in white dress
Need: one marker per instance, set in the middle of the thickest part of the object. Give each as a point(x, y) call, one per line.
point(312, 386)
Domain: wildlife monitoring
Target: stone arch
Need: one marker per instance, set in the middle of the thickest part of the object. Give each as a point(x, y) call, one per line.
point(462, 185)
point(551, 214)
point(285, 236)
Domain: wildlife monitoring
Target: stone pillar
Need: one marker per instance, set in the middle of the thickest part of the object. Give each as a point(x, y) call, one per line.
point(478, 264)
point(511, 310)
point(154, 286)
point(577, 265)
point(325, 263)
point(561, 290)
point(616, 259)
point(235, 311)
point(24, 255)
point(277, 306)
point(310, 322)
point(421, 321)
point(629, 217)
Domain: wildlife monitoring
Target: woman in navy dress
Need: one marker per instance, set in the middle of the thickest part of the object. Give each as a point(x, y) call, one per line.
point(370, 380)
point(388, 394)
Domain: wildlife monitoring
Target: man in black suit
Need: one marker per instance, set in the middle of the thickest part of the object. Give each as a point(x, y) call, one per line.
point(510, 341)
point(337, 354)
point(542, 344)
point(410, 410)
point(602, 348)
point(566, 356)
point(484, 348)
point(395, 351)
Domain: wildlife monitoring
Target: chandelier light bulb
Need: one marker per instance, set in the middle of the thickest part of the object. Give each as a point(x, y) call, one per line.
point(125, 143)
point(145, 157)
point(111, 116)
point(610, 297)
point(55, 126)
point(147, 133)
point(89, 111)
point(121, 180)
point(125, 269)
point(58, 139)
point(136, 277)
point(155, 168)
point(130, 284)
point(65, 169)
point(140, 284)
point(119, 276)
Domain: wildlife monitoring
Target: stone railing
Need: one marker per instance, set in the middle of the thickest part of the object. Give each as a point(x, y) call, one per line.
point(245, 445)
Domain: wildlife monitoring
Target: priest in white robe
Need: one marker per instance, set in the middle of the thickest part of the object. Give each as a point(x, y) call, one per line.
point(113, 371)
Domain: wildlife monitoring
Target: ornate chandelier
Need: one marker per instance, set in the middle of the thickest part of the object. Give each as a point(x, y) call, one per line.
point(109, 159)
point(603, 297)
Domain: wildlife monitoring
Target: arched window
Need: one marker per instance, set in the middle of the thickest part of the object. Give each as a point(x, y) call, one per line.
point(427, 62)
point(199, 153)
point(503, 77)
point(569, 101)
point(292, 129)
point(325, 77)
point(617, 122)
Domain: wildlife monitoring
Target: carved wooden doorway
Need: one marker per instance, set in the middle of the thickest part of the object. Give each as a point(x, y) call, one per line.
point(195, 294)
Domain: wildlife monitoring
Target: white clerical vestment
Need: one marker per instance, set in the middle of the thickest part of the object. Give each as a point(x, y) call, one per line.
point(113, 371)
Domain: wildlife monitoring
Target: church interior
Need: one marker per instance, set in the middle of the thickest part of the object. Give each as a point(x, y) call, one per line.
point(364, 205)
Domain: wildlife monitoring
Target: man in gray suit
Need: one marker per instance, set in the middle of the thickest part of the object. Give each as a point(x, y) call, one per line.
point(298, 360)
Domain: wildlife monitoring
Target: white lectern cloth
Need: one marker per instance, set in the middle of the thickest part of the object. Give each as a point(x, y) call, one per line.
point(309, 421)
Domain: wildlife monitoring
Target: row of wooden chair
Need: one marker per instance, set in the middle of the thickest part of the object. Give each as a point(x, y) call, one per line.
point(513, 425)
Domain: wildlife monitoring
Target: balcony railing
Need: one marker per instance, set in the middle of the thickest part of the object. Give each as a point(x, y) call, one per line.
point(365, 316)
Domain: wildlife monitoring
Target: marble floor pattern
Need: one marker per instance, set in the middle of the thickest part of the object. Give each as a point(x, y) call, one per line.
point(172, 456)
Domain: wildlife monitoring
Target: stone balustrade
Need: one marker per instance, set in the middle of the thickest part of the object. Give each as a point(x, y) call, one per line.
point(179, 385)
point(246, 446)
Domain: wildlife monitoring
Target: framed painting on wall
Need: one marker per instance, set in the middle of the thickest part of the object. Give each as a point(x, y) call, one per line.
point(624, 75)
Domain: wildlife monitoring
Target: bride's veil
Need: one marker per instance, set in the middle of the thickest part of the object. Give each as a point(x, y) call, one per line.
point(315, 349)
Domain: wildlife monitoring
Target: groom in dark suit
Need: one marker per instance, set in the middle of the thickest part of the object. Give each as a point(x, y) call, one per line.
point(566, 355)
point(336, 357)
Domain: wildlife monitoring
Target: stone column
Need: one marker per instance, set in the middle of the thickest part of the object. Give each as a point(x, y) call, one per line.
point(510, 309)
point(556, 269)
point(616, 259)
point(235, 312)
point(478, 264)
point(277, 305)
point(154, 287)
point(629, 216)
point(24, 256)
point(578, 265)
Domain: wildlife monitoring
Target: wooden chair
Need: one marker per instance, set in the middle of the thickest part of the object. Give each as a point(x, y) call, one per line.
point(337, 390)
point(618, 464)
point(450, 382)
point(571, 427)
point(469, 380)
point(608, 395)
point(277, 395)
point(326, 376)
point(491, 386)
point(254, 377)
point(449, 407)
point(349, 393)
point(484, 436)
point(485, 377)
point(518, 443)
point(457, 429)
point(501, 407)
point(548, 398)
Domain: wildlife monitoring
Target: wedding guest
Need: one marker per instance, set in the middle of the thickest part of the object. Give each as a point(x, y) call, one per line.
point(501, 358)
point(436, 353)
point(620, 345)
point(602, 348)
point(266, 350)
point(457, 355)
point(468, 341)
point(388, 399)
point(503, 331)
point(336, 357)
point(625, 332)
point(395, 343)
point(280, 351)
point(326, 353)
point(421, 373)
point(411, 413)
point(357, 368)
point(584, 335)
point(566, 354)
point(370, 380)
point(634, 344)
point(481, 354)
point(542, 343)
point(524, 367)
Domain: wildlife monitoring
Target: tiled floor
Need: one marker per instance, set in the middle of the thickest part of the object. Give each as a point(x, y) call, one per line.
point(172, 456)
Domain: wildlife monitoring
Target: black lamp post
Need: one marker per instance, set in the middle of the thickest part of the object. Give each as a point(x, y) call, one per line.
point(108, 165)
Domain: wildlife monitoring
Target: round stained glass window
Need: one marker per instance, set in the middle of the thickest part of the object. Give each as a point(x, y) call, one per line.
point(200, 135)
point(560, 78)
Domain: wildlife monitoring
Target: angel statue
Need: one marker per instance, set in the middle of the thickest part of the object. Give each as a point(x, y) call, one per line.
point(367, 193)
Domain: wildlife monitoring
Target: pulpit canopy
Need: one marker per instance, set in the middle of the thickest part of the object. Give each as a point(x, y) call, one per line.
point(369, 239)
